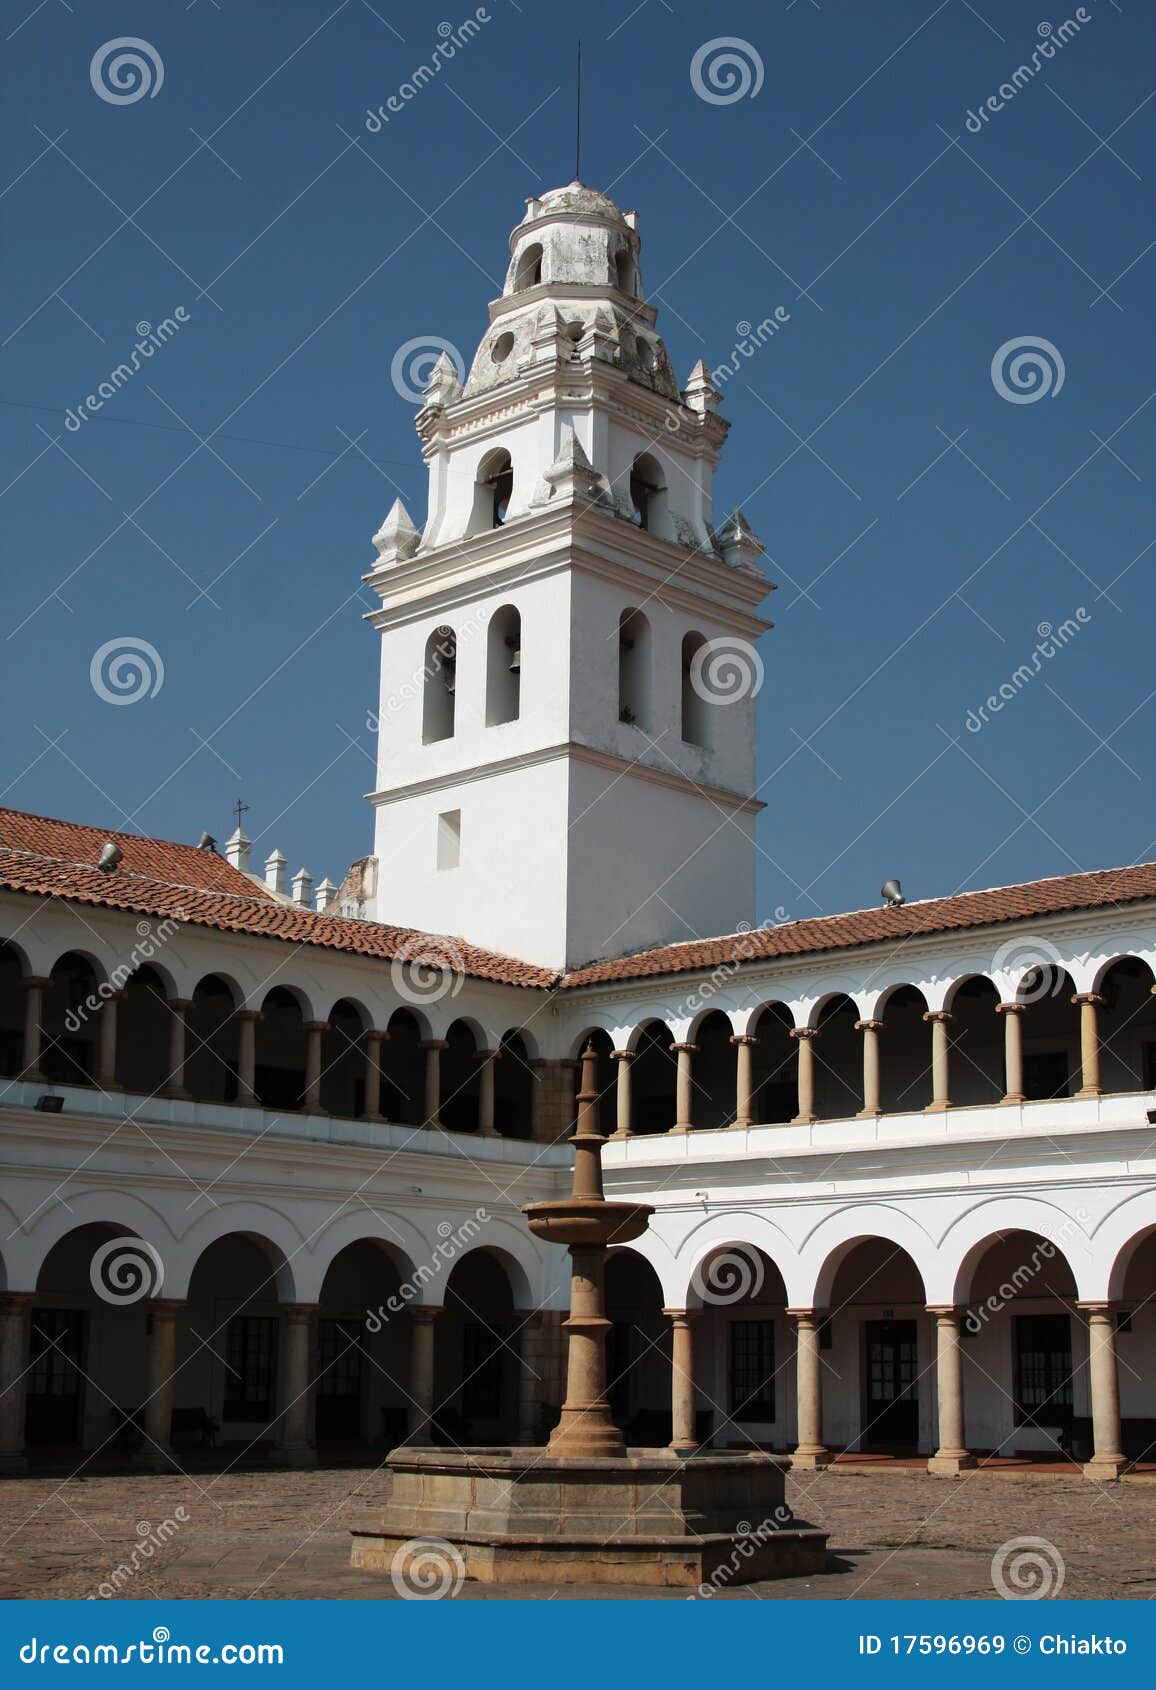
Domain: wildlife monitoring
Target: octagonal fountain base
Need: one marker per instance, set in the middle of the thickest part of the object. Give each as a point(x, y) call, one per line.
point(523, 1516)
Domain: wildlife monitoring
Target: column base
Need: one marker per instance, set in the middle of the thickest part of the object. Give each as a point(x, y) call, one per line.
point(950, 1466)
point(938, 1106)
point(679, 1129)
point(810, 1460)
point(1013, 1097)
point(1106, 1469)
point(868, 1114)
point(1090, 1091)
point(740, 1126)
point(178, 1093)
point(293, 1455)
point(13, 1463)
point(803, 1120)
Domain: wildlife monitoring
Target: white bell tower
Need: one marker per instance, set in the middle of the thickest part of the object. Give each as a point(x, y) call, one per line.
point(566, 752)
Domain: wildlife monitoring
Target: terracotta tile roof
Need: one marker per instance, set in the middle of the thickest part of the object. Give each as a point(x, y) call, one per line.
point(1101, 889)
point(159, 878)
point(152, 859)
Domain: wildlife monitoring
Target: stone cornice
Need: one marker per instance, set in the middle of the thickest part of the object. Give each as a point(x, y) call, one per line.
point(579, 753)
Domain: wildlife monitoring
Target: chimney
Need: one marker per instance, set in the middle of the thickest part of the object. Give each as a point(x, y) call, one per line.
point(326, 894)
point(237, 850)
point(275, 867)
point(303, 888)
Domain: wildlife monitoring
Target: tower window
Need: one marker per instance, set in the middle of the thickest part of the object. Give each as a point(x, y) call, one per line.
point(648, 494)
point(634, 668)
point(449, 839)
point(502, 347)
point(441, 673)
point(529, 271)
point(493, 490)
point(695, 718)
point(504, 667)
point(624, 272)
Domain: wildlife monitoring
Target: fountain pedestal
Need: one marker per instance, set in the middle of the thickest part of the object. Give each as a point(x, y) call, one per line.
point(585, 1510)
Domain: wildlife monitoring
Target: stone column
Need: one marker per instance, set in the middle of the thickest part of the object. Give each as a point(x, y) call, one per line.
point(158, 1410)
point(373, 1042)
point(952, 1456)
point(810, 1450)
point(940, 1020)
point(486, 1060)
point(421, 1373)
point(683, 1439)
point(247, 1020)
point(684, 1088)
point(295, 1449)
point(744, 1044)
point(1089, 1003)
point(179, 1008)
point(806, 1037)
point(1108, 1460)
point(1013, 1049)
point(106, 1044)
point(871, 1089)
point(34, 987)
point(15, 1309)
point(624, 1122)
point(433, 1080)
point(529, 1375)
point(313, 1034)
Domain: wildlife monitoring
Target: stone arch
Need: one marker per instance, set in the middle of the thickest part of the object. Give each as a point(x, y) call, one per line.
point(653, 1077)
point(212, 1040)
point(493, 491)
point(511, 1248)
point(965, 1242)
point(439, 669)
point(832, 1241)
point(14, 970)
point(121, 1214)
point(528, 267)
point(393, 1231)
point(514, 1082)
point(740, 1229)
point(272, 1232)
point(1115, 1241)
point(634, 668)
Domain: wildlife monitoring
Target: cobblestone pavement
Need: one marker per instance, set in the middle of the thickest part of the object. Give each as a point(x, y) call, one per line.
point(277, 1534)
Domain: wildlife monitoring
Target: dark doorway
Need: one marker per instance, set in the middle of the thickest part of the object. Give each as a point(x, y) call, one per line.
point(892, 1397)
point(1043, 1372)
point(340, 1381)
point(55, 1376)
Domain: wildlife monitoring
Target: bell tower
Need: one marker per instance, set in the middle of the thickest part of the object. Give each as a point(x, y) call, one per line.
point(566, 748)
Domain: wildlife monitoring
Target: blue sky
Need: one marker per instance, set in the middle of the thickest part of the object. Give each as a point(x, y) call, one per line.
point(921, 527)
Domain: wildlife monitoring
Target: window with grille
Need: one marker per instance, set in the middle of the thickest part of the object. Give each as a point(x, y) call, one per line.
point(753, 1369)
point(250, 1367)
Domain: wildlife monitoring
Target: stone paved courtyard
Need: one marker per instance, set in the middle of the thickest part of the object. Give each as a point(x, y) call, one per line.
point(275, 1534)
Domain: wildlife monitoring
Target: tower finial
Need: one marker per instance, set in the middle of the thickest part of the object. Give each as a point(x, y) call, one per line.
point(578, 116)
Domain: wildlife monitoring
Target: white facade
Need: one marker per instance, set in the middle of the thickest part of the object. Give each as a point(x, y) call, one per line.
point(570, 488)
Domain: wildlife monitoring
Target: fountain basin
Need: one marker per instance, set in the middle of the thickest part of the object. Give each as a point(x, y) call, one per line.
point(578, 1220)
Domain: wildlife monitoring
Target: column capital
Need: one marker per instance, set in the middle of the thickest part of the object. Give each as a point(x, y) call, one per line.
point(376, 1035)
point(16, 1302)
point(253, 1015)
point(1010, 1008)
point(182, 1004)
point(623, 1055)
point(316, 1026)
point(817, 1315)
point(37, 982)
point(803, 1032)
point(943, 1015)
point(685, 1045)
point(433, 1044)
point(869, 1026)
point(168, 1306)
point(297, 1313)
point(744, 1039)
point(1104, 1306)
point(682, 1314)
point(1087, 997)
point(947, 1311)
point(424, 1314)
point(489, 1054)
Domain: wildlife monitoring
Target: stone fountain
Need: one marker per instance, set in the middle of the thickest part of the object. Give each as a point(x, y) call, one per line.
point(585, 1509)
